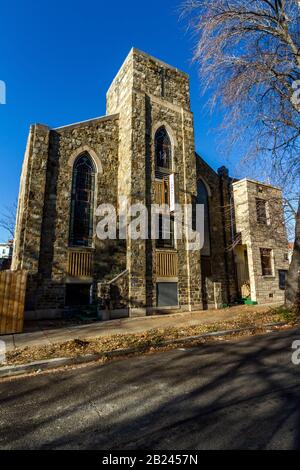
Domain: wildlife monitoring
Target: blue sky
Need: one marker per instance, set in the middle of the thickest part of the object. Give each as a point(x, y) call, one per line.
point(58, 59)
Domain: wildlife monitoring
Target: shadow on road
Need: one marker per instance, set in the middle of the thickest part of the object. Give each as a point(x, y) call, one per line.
point(230, 395)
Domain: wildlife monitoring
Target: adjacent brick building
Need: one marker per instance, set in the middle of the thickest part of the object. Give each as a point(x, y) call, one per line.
point(147, 135)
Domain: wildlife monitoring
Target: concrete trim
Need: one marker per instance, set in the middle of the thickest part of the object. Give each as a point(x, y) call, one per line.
point(95, 157)
point(116, 314)
point(176, 308)
point(257, 183)
point(87, 121)
point(171, 135)
point(137, 312)
point(38, 126)
point(166, 279)
point(46, 314)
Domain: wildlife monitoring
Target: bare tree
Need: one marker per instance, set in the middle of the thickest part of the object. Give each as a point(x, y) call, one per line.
point(249, 58)
point(8, 219)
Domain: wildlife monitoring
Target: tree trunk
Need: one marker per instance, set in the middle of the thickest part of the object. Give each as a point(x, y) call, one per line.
point(292, 292)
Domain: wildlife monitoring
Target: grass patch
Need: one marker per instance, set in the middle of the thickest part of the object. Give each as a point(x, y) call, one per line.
point(286, 314)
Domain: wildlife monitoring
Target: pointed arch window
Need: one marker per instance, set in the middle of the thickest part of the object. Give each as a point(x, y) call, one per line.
point(163, 150)
point(203, 198)
point(82, 201)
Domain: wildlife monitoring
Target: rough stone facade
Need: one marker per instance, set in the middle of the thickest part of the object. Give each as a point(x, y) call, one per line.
point(144, 104)
point(220, 265)
point(256, 235)
point(42, 232)
point(145, 96)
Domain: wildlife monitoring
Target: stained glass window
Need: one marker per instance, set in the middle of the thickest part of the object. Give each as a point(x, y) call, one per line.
point(82, 202)
point(163, 150)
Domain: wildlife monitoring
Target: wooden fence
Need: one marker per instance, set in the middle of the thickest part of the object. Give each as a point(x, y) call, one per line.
point(12, 300)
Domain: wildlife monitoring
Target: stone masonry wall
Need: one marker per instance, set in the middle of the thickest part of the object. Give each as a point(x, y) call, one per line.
point(46, 289)
point(147, 93)
point(131, 172)
point(31, 201)
point(255, 236)
point(222, 270)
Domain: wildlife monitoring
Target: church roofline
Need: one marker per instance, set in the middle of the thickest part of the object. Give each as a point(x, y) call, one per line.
point(259, 183)
point(205, 163)
point(88, 121)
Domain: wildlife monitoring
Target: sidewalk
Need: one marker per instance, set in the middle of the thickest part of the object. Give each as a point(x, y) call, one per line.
point(40, 333)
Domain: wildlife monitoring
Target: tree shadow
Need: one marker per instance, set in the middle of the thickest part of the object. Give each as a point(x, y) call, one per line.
point(233, 395)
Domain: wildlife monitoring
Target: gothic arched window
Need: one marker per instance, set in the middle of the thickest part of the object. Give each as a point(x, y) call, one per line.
point(82, 201)
point(163, 149)
point(203, 198)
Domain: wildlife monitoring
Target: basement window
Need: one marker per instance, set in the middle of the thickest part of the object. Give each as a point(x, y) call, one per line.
point(78, 295)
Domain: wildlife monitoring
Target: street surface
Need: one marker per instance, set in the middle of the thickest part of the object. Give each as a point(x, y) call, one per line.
point(243, 394)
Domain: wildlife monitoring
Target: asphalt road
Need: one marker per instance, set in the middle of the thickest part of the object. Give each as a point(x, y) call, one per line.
point(230, 395)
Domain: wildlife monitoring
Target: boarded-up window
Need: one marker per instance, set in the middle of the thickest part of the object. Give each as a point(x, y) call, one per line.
point(261, 211)
point(282, 278)
point(167, 294)
point(266, 261)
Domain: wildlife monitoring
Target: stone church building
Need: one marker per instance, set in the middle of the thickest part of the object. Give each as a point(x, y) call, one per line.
point(146, 135)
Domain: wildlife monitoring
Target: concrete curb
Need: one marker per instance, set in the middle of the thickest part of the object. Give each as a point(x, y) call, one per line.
point(15, 370)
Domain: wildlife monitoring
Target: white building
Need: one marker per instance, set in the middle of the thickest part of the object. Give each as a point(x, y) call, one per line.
point(6, 251)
